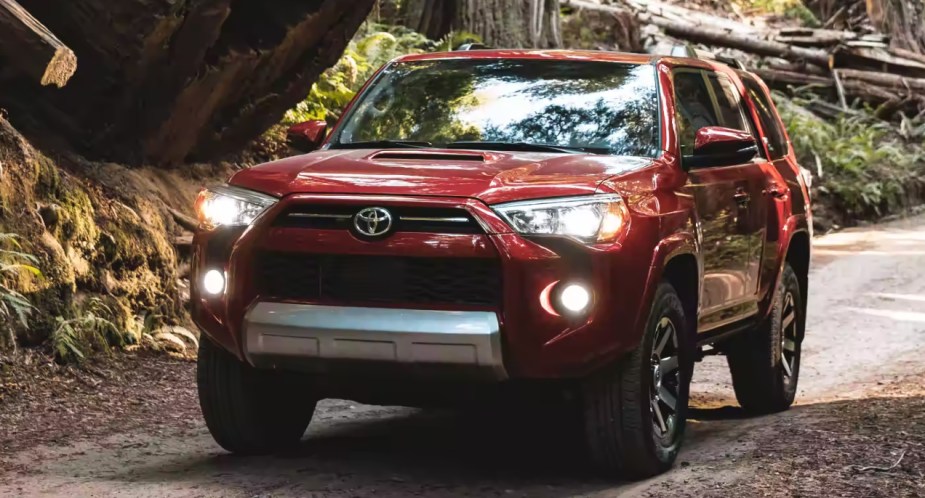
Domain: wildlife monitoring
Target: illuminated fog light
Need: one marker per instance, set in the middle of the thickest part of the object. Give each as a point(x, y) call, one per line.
point(213, 282)
point(575, 298)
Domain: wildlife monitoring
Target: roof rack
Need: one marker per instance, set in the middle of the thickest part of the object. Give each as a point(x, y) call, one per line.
point(470, 46)
point(688, 50)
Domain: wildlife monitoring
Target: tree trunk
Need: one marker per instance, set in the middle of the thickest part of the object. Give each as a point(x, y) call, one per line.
point(164, 81)
point(500, 23)
point(30, 46)
point(903, 20)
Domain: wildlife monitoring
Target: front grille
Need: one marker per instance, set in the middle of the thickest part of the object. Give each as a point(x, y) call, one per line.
point(407, 219)
point(380, 279)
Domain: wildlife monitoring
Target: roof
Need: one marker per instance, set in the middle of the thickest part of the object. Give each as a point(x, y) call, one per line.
point(586, 55)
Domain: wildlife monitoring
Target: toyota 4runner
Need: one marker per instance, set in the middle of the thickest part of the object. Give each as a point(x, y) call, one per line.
point(591, 222)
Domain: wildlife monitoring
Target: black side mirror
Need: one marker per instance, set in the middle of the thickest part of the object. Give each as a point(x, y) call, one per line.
point(721, 146)
point(307, 136)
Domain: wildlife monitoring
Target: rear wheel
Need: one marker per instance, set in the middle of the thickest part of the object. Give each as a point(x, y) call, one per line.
point(765, 361)
point(247, 410)
point(635, 412)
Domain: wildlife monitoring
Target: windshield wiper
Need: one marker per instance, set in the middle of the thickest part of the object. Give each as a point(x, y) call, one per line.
point(525, 146)
point(373, 144)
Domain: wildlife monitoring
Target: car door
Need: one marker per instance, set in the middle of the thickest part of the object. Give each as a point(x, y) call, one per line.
point(753, 174)
point(723, 194)
point(783, 191)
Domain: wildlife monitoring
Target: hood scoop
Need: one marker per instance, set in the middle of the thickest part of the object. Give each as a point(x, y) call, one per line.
point(410, 155)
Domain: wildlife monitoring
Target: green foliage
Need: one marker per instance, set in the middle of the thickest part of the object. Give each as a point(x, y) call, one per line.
point(862, 166)
point(372, 46)
point(14, 307)
point(92, 329)
point(791, 9)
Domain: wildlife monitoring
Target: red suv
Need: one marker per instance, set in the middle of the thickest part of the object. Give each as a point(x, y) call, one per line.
point(592, 223)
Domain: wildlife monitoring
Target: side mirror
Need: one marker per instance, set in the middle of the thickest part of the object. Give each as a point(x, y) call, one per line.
point(307, 136)
point(721, 146)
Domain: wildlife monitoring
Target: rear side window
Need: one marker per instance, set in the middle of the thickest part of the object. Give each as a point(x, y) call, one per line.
point(776, 138)
point(694, 107)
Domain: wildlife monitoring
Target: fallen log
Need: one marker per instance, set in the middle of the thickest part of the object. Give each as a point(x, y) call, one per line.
point(781, 79)
point(893, 81)
point(29, 46)
point(746, 41)
point(876, 60)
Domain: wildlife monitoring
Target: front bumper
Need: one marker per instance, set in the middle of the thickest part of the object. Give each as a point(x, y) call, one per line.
point(324, 338)
point(518, 336)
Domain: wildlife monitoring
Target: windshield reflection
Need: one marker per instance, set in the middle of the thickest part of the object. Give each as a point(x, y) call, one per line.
point(592, 106)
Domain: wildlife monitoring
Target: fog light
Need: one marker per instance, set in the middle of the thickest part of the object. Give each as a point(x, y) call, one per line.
point(575, 298)
point(213, 282)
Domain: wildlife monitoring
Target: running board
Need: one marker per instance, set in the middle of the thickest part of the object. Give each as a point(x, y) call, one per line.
point(725, 332)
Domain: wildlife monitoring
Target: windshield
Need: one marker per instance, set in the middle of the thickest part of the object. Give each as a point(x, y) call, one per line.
point(560, 105)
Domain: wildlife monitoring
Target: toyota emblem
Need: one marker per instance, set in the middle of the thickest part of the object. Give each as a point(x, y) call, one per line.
point(373, 221)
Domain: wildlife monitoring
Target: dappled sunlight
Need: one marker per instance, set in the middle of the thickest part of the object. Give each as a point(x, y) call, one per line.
point(898, 297)
point(902, 316)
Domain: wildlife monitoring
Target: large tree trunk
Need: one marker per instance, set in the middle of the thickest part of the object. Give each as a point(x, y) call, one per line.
point(164, 80)
point(903, 20)
point(500, 23)
point(32, 48)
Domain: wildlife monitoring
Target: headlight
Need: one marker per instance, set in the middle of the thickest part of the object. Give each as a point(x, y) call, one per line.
point(589, 219)
point(230, 206)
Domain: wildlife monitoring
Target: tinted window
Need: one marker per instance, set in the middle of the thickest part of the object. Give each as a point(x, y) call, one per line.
point(601, 105)
point(694, 107)
point(728, 102)
point(776, 138)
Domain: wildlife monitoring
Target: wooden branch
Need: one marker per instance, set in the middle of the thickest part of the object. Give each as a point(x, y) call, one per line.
point(32, 48)
point(894, 81)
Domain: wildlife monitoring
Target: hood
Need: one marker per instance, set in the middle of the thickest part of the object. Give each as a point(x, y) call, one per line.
point(489, 176)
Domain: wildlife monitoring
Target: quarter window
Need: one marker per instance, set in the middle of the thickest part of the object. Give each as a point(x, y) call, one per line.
point(694, 107)
point(728, 102)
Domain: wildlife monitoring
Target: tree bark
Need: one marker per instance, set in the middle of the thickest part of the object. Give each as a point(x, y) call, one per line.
point(903, 20)
point(27, 44)
point(163, 81)
point(500, 23)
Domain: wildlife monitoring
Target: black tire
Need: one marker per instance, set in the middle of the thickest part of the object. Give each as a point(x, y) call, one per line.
point(250, 411)
point(622, 432)
point(765, 360)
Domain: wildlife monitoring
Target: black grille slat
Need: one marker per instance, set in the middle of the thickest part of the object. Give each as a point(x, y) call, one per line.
point(407, 219)
point(380, 279)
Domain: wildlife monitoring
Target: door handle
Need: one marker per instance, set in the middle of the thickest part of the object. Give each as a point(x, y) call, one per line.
point(775, 190)
point(742, 198)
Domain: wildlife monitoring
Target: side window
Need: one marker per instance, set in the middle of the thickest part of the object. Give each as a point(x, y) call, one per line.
point(728, 102)
point(776, 138)
point(694, 107)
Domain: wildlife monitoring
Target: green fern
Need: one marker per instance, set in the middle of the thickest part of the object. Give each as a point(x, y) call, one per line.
point(92, 329)
point(14, 307)
point(863, 165)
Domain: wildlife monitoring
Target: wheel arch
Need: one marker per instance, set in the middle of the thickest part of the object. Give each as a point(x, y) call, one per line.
point(798, 256)
point(683, 273)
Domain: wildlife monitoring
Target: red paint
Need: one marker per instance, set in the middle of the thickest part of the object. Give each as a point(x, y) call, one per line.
point(669, 217)
point(309, 134)
point(716, 139)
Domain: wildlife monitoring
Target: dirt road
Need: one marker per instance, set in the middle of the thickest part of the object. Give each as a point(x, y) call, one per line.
point(859, 429)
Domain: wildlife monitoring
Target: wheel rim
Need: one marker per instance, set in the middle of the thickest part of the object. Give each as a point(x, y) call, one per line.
point(666, 380)
point(789, 346)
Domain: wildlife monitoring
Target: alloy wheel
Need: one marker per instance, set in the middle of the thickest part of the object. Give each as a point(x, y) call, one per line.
point(788, 350)
point(666, 380)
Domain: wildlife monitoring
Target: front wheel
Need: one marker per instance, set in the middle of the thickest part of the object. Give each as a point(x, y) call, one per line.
point(247, 410)
point(635, 412)
point(765, 361)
